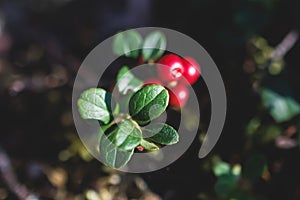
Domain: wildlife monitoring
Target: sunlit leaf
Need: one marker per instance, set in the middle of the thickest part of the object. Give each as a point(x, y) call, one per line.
point(281, 108)
point(127, 43)
point(221, 168)
point(126, 81)
point(154, 46)
point(148, 103)
point(236, 170)
point(95, 103)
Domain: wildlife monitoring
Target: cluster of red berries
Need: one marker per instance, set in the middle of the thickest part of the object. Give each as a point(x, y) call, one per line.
point(176, 73)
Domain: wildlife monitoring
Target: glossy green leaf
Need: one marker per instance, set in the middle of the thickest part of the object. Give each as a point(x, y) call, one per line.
point(161, 133)
point(281, 108)
point(126, 81)
point(149, 146)
point(154, 46)
point(125, 135)
point(95, 103)
point(221, 168)
point(127, 43)
point(148, 103)
point(254, 167)
point(111, 155)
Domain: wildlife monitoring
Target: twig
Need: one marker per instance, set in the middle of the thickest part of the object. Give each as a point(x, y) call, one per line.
point(286, 44)
point(280, 51)
point(11, 181)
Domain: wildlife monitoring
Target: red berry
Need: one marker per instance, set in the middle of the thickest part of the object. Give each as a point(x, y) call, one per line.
point(152, 81)
point(178, 95)
point(171, 69)
point(140, 148)
point(191, 70)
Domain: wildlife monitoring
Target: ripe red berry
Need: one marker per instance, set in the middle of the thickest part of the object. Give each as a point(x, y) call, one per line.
point(152, 81)
point(178, 95)
point(171, 68)
point(140, 148)
point(191, 70)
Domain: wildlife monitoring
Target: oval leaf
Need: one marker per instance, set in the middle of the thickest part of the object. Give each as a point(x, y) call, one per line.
point(149, 145)
point(154, 46)
point(126, 81)
point(221, 168)
point(111, 155)
point(94, 103)
point(148, 103)
point(162, 133)
point(125, 136)
point(127, 43)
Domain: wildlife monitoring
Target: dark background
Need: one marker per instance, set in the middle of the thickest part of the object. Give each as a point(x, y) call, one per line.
point(42, 44)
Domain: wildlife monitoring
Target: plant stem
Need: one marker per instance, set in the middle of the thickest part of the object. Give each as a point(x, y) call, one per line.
point(119, 118)
point(135, 124)
point(286, 44)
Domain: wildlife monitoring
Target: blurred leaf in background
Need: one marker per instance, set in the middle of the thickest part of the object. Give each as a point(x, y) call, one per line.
point(281, 108)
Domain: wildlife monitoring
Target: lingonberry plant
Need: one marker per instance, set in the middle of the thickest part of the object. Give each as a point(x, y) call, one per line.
point(125, 119)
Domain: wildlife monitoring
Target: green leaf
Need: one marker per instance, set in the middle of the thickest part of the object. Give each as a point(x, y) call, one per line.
point(116, 109)
point(127, 43)
point(253, 125)
point(111, 155)
point(268, 133)
point(126, 81)
point(95, 103)
point(149, 145)
point(148, 103)
point(281, 108)
point(254, 167)
point(125, 135)
point(161, 133)
point(225, 185)
point(221, 168)
point(154, 46)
